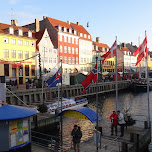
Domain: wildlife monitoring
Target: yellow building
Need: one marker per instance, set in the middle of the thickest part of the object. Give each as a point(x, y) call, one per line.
point(17, 44)
point(99, 49)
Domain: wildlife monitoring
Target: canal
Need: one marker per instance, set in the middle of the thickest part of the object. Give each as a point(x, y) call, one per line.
point(136, 103)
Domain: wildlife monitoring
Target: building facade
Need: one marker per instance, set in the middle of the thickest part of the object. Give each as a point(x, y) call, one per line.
point(17, 53)
point(48, 54)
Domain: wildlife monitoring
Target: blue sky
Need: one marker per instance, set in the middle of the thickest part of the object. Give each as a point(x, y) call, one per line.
point(126, 19)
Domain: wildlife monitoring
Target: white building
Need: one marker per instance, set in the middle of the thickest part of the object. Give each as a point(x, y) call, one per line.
point(49, 55)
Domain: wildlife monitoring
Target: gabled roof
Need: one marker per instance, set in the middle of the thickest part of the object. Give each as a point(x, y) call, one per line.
point(124, 49)
point(39, 36)
point(56, 22)
point(4, 29)
point(101, 45)
point(81, 29)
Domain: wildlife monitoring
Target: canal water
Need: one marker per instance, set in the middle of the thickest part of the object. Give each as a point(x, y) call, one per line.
point(136, 103)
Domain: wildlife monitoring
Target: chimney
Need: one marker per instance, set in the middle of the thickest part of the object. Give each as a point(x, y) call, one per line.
point(124, 45)
point(37, 25)
point(44, 17)
point(131, 43)
point(14, 22)
point(68, 22)
point(78, 23)
point(98, 39)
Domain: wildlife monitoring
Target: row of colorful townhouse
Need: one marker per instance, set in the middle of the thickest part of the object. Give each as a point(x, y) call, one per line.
point(55, 40)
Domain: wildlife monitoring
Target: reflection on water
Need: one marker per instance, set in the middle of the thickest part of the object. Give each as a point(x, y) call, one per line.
point(136, 103)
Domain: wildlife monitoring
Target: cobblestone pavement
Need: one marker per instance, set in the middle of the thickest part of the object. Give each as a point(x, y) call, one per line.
point(37, 148)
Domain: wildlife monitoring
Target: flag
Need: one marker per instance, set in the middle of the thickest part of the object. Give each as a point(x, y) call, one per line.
point(141, 51)
point(111, 53)
point(92, 77)
point(52, 81)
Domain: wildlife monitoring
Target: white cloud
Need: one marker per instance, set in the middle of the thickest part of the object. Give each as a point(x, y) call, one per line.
point(13, 1)
point(29, 7)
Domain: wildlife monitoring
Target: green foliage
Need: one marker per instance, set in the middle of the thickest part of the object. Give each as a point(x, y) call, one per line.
point(128, 119)
point(42, 108)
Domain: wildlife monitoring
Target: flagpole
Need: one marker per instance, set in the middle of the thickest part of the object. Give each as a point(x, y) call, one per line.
point(116, 76)
point(61, 110)
point(139, 63)
point(148, 87)
point(97, 107)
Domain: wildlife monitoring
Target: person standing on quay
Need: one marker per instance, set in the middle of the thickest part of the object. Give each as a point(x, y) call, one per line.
point(121, 122)
point(114, 122)
point(76, 134)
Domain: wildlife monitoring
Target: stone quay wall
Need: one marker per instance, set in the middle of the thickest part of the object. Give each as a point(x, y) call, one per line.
point(34, 96)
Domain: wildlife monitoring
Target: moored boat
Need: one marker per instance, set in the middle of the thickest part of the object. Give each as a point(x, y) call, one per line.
point(67, 103)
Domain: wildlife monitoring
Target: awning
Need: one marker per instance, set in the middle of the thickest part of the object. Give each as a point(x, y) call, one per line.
point(81, 113)
point(11, 112)
point(105, 73)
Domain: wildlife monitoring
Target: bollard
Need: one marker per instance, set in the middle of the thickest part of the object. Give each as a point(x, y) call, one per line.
point(124, 147)
point(145, 124)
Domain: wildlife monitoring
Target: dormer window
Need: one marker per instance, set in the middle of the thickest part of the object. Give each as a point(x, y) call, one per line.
point(70, 31)
point(85, 35)
point(75, 32)
point(88, 36)
point(20, 32)
point(65, 29)
point(59, 28)
point(80, 34)
point(11, 30)
point(29, 34)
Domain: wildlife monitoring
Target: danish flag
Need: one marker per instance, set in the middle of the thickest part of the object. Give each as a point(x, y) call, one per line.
point(141, 51)
point(92, 77)
point(111, 53)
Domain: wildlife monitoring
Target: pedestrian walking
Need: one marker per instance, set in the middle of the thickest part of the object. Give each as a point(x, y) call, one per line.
point(121, 122)
point(76, 134)
point(114, 122)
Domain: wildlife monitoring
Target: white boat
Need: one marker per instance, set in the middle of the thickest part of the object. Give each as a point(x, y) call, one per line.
point(67, 103)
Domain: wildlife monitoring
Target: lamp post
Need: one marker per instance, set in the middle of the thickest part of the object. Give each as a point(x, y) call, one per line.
point(43, 76)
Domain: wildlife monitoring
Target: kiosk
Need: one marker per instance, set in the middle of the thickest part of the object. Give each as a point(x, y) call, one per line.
point(15, 128)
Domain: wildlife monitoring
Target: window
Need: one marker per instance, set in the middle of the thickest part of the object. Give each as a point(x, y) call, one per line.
point(6, 69)
point(80, 34)
point(26, 70)
point(19, 42)
point(72, 40)
point(60, 48)
point(13, 41)
point(72, 50)
point(103, 49)
point(69, 50)
point(11, 30)
point(65, 49)
point(61, 38)
point(6, 53)
point(76, 60)
point(69, 39)
point(65, 59)
point(54, 50)
point(85, 35)
point(54, 60)
point(50, 50)
point(32, 43)
point(26, 54)
point(69, 60)
point(72, 60)
point(76, 50)
point(13, 53)
point(13, 72)
point(26, 43)
point(33, 70)
point(20, 32)
point(51, 60)
point(77, 41)
point(20, 54)
point(107, 49)
point(46, 42)
point(5, 40)
point(65, 39)
point(84, 60)
point(32, 54)
point(88, 36)
point(60, 57)
point(81, 60)
point(29, 34)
